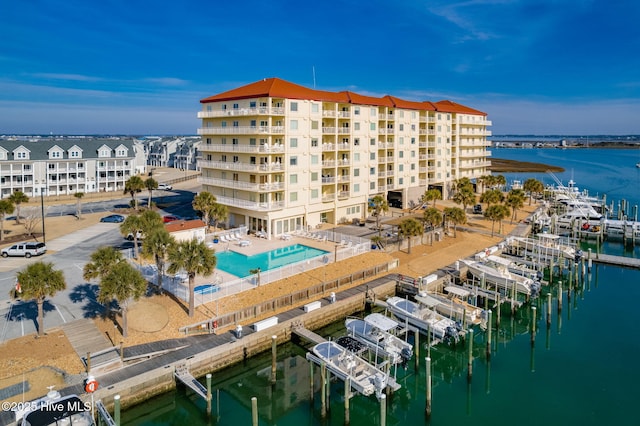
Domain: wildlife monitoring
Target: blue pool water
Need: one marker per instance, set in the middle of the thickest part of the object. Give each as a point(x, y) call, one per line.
point(239, 265)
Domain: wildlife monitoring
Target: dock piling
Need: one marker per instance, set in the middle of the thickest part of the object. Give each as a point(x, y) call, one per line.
point(489, 334)
point(209, 395)
point(323, 390)
point(548, 310)
point(254, 411)
point(347, 396)
point(470, 361)
point(116, 409)
point(383, 410)
point(533, 325)
point(417, 348)
point(311, 388)
point(559, 296)
point(428, 396)
point(274, 354)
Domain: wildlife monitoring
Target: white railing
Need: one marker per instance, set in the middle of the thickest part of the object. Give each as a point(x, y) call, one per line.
point(228, 183)
point(241, 148)
point(241, 112)
point(246, 167)
point(241, 130)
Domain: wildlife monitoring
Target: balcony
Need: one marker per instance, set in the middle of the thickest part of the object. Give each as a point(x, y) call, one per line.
point(245, 186)
point(241, 112)
point(328, 130)
point(328, 180)
point(328, 113)
point(328, 197)
point(328, 147)
point(344, 178)
point(344, 147)
point(329, 163)
point(241, 130)
point(344, 194)
point(243, 148)
point(242, 167)
point(474, 164)
point(251, 205)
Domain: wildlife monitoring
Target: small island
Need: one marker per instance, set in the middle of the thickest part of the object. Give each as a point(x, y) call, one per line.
point(510, 166)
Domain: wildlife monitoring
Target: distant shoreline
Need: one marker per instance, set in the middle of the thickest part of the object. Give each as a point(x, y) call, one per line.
point(511, 166)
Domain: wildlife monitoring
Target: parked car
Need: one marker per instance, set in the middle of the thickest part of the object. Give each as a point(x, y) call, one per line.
point(129, 236)
point(165, 186)
point(26, 249)
point(170, 218)
point(477, 209)
point(113, 218)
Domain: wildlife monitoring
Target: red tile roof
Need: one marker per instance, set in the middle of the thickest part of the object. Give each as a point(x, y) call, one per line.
point(278, 88)
point(184, 225)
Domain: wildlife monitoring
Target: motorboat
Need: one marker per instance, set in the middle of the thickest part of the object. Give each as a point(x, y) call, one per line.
point(496, 274)
point(542, 248)
point(453, 304)
point(377, 332)
point(364, 377)
point(425, 319)
point(55, 409)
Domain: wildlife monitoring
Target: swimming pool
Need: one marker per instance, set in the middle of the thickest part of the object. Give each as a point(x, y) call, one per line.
point(239, 265)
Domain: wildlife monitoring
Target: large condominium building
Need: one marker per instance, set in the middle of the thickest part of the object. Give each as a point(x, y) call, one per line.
point(282, 156)
point(66, 166)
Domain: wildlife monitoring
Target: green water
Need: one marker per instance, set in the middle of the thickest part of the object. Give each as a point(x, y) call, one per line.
point(581, 370)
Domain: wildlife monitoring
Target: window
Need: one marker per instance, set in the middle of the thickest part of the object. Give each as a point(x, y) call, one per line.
point(401, 154)
point(314, 142)
point(293, 161)
point(372, 171)
point(413, 179)
point(356, 126)
point(413, 154)
point(356, 156)
point(401, 127)
point(413, 166)
point(223, 158)
point(356, 172)
point(252, 141)
point(314, 193)
point(372, 156)
point(52, 166)
point(294, 106)
point(372, 141)
point(25, 167)
point(413, 141)
point(293, 196)
point(223, 124)
point(253, 123)
point(372, 186)
point(372, 126)
point(293, 179)
point(235, 158)
point(55, 154)
point(356, 110)
point(236, 123)
point(234, 141)
point(314, 125)
point(293, 125)
point(252, 104)
point(314, 159)
point(401, 141)
point(293, 142)
point(315, 107)
point(208, 141)
point(374, 112)
point(314, 176)
point(400, 181)
point(356, 187)
point(224, 107)
point(401, 168)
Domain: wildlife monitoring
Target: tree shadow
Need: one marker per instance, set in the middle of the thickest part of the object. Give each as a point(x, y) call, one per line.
point(87, 293)
point(28, 310)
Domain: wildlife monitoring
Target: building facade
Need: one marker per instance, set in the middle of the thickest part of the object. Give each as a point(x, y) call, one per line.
point(66, 166)
point(282, 156)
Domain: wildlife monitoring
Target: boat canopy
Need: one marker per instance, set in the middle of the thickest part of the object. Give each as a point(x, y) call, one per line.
point(457, 291)
point(381, 322)
point(429, 301)
point(499, 260)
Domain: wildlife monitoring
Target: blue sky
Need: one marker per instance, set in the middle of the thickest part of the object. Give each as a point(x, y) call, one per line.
point(569, 67)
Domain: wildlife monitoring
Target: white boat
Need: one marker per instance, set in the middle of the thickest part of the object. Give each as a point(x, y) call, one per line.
point(496, 273)
point(54, 409)
point(365, 378)
point(545, 247)
point(426, 320)
point(376, 332)
point(453, 304)
point(638, 164)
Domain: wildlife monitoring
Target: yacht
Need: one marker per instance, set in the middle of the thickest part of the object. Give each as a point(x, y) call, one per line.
point(377, 332)
point(453, 304)
point(426, 320)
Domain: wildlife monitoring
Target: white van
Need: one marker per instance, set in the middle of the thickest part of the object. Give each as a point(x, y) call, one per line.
point(26, 249)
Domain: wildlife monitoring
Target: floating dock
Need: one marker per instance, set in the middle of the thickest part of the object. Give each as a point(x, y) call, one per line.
point(607, 259)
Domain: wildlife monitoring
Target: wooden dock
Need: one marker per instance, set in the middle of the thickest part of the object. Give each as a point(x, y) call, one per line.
point(93, 348)
point(308, 335)
point(607, 259)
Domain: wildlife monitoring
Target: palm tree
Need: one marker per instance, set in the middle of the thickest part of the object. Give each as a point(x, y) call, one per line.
point(156, 245)
point(532, 186)
point(515, 200)
point(6, 207)
point(151, 184)
point(194, 258)
point(489, 181)
point(133, 225)
point(38, 281)
point(433, 217)
point(78, 196)
point(101, 263)
point(497, 212)
point(205, 202)
point(492, 196)
point(133, 185)
point(432, 195)
point(151, 221)
point(457, 216)
point(464, 196)
point(501, 181)
point(410, 228)
point(123, 283)
point(17, 198)
point(218, 213)
point(378, 205)
point(256, 272)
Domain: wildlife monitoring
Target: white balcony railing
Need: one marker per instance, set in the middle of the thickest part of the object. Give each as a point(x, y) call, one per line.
point(241, 130)
point(246, 186)
point(243, 167)
point(242, 148)
point(250, 205)
point(241, 112)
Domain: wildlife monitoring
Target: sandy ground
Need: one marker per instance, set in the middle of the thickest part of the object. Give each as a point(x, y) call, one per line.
point(48, 360)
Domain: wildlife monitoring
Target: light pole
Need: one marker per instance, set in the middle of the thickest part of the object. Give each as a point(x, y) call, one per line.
point(44, 235)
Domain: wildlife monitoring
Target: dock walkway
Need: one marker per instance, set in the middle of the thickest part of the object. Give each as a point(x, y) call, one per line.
point(608, 259)
point(86, 338)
